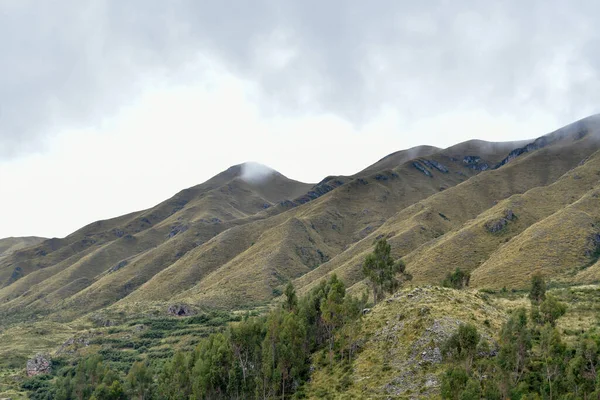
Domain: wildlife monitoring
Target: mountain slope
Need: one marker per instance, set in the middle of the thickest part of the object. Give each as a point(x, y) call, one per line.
point(12, 244)
point(60, 268)
point(425, 223)
point(494, 209)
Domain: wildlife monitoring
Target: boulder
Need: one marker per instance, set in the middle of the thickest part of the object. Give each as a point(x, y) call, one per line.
point(38, 365)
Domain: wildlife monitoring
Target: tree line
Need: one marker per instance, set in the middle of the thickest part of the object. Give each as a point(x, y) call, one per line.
point(532, 361)
point(259, 357)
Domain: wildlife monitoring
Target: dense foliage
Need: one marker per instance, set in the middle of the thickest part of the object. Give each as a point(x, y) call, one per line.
point(531, 361)
point(258, 357)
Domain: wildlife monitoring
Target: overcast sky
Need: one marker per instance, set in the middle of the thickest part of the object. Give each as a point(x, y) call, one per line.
point(107, 107)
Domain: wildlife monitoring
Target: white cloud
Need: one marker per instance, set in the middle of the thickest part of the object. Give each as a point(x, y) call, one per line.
point(129, 103)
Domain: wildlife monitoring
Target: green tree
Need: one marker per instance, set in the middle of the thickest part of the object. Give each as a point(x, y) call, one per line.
point(515, 345)
point(333, 311)
point(551, 309)
point(552, 353)
point(454, 382)
point(214, 360)
point(537, 293)
point(174, 380)
point(582, 372)
point(458, 279)
point(291, 300)
point(472, 390)
point(462, 345)
point(114, 391)
point(381, 270)
point(246, 339)
point(139, 381)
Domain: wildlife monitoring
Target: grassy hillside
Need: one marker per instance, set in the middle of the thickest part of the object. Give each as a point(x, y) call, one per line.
point(234, 241)
point(12, 244)
point(447, 229)
point(501, 211)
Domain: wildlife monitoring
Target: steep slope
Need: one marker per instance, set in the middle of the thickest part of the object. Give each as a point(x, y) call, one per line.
point(425, 223)
point(59, 268)
point(500, 230)
point(249, 264)
point(401, 342)
point(235, 240)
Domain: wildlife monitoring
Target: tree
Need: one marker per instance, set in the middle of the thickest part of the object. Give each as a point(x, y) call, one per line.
point(246, 338)
point(174, 381)
point(537, 293)
point(213, 367)
point(291, 300)
point(552, 352)
point(463, 344)
point(515, 344)
point(454, 382)
point(551, 310)
point(332, 311)
point(139, 380)
point(381, 270)
point(458, 279)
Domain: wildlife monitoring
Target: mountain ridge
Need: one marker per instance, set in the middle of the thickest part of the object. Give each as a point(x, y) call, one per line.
point(234, 240)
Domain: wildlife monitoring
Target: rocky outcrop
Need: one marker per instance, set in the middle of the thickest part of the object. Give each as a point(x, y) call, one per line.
point(177, 229)
point(118, 266)
point(434, 164)
point(575, 131)
point(475, 162)
point(421, 168)
point(180, 310)
point(498, 224)
point(39, 365)
point(470, 160)
point(319, 190)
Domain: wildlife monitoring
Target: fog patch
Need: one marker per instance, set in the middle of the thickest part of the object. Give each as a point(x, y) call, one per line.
point(253, 172)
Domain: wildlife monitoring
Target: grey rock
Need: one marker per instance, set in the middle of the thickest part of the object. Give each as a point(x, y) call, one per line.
point(39, 365)
point(118, 266)
point(180, 310)
point(434, 164)
point(421, 168)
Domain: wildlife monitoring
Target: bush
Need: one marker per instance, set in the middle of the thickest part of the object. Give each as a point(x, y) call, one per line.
point(458, 279)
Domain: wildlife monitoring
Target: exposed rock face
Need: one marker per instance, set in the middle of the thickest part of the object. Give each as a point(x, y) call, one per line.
point(421, 168)
point(475, 162)
point(499, 224)
point(469, 160)
point(434, 164)
point(319, 190)
point(385, 176)
point(177, 229)
point(180, 310)
point(118, 266)
point(38, 365)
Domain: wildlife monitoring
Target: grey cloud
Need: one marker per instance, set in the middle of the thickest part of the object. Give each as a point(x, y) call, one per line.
point(73, 62)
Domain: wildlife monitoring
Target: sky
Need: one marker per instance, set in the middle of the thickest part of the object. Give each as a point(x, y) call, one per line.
point(108, 107)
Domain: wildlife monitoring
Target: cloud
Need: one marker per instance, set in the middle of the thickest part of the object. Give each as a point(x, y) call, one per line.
point(254, 172)
point(73, 64)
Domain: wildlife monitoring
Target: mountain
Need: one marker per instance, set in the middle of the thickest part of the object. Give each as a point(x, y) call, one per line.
point(12, 244)
point(499, 210)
